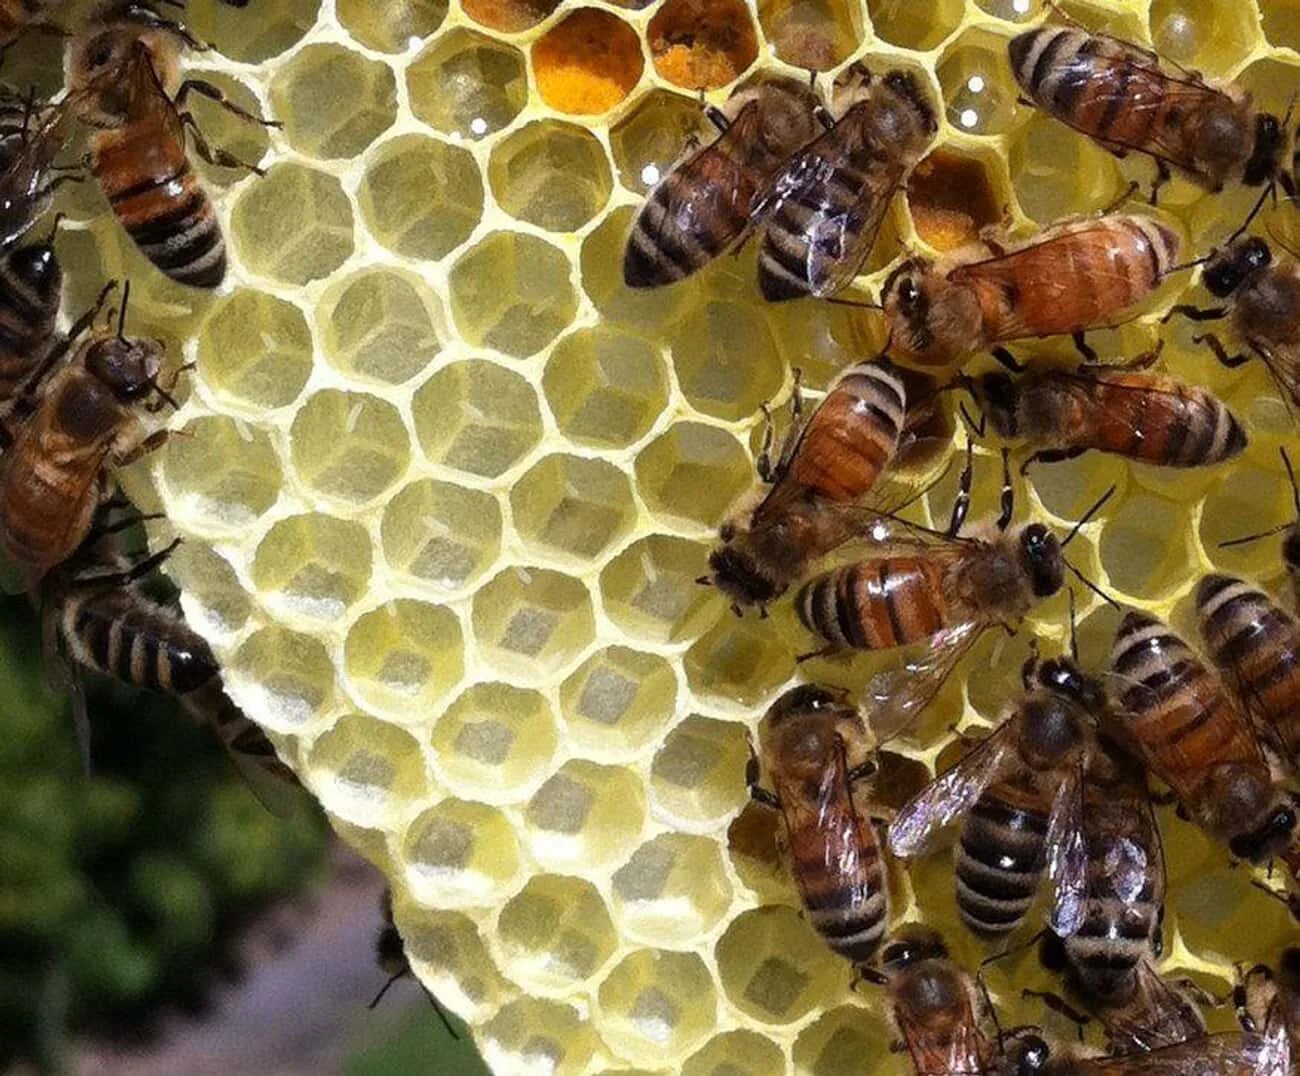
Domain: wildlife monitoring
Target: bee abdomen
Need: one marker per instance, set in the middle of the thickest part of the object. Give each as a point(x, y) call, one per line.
point(855, 923)
point(876, 604)
point(661, 251)
point(999, 864)
point(784, 261)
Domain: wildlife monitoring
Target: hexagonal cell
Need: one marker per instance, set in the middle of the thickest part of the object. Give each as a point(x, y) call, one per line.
point(1280, 20)
point(532, 622)
point(447, 952)
point(421, 197)
point(739, 660)
point(816, 35)
point(552, 174)
point(1146, 546)
point(510, 16)
point(255, 349)
point(285, 678)
point(1011, 10)
point(313, 566)
point(460, 854)
point(978, 92)
point(293, 225)
point(775, 968)
point(736, 1053)
point(726, 360)
point(585, 815)
point(390, 27)
point(1202, 34)
point(380, 324)
point(1255, 500)
point(587, 63)
point(702, 44)
point(241, 138)
point(653, 136)
point(571, 508)
point(466, 84)
point(619, 700)
point(495, 741)
point(693, 473)
point(649, 590)
point(837, 1041)
point(334, 102)
point(672, 889)
point(1056, 172)
point(404, 656)
point(951, 198)
point(440, 534)
point(222, 474)
point(215, 600)
point(478, 417)
point(531, 1035)
point(555, 933)
point(656, 1006)
point(606, 387)
point(698, 776)
point(366, 769)
point(915, 26)
point(651, 310)
point(279, 26)
point(348, 445)
point(512, 292)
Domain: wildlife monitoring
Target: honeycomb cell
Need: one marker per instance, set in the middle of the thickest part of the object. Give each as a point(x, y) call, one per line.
point(738, 661)
point(693, 473)
point(555, 933)
point(223, 474)
point(1146, 546)
point(671, 890)
point(618, 701)
point(836, 1043)
point(279, 26)
point(532, 622)
point(1255, 500)
point(552, 174)
point(702, 44)
point(774, 968)
point(1280, 21)
point(698, 776)
point(978, 96)
point(313, 566)
point(1208, 36)
point(441, 535)
point(1057, 172)
point(572, 509)
point(736, 1053)
point(215, 601)
point(466, 84)
point(293, 225)
point(752, 850)
point(380, 325)
point(460, 854)
point(915, 26)
point(403, 657)
point(726, 360)
point(1011, 10)
point(391, 27)
point(349, 446)
point(477, 417)
point(605, 387)
point(816, 35)
point(287, 679)
point(587, 63)
point(366, 770)
point(495, 741)
point(509, 16)
point(649, 590)
point(656, 1006)
point(512, 292)
point(447, 952)
point(241, 138)
point(585, 815)
point(653, 136)
point(650, 310)
point(333, 101)
point(951, 198)
point(255, 350)
point(532, 1035)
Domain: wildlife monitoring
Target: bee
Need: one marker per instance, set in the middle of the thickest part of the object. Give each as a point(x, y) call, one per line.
point(1239, 1052)
point(1177, 717)
point(31, 137)
point(823, 209)
point(1073, 276)
point(705, 205)
point(31, 290)
point(1123, 97)
point(1267, 1000)
point(390, 955)
point(1291, 541)
point(815, 754)
point(121, 69)
point(1021, 795)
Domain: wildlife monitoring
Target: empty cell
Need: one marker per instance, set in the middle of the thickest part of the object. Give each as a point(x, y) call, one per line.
point(1280, 21)
point(466, 84)
point(585, 815)
point(702, 44)
point(1203, 34)
point(254, 349)
point(287, 679)
point(391, 27)
point(978, 91)
point(510, 16)
point(1146, 547)
point(693, 473)
point(672, 889)
point(653, 136)
point(816, 35)
point(333, 101)
point(293, 225)
point(238, 137)
point(460, 854)
point(441, 535)
point(532, 622)
point(618, 700)
point(1057, 172)
point(447, 953)
point(365, 770)
point(552, 174)
point(775, 968)
point(349, 445)
point(1011, 10)
point(512, 292)
point(1069, 489)
point(313, 566)
point(381, 325)
point(495, 741)
point(656, 1006)
point(587, 63)
point(570, 508)
point(650, 592)
point(736, 1053)
point(533, 1035)
point(698, 774)
point(605, 386)
point(280, 24)
point(222, 474)
point(837, 1041)
point(738, 660)
point(403, 657)
point(555, 933)
point(1255, 500)
point(650, 310)
point(952, 197)
point(216, 601)
point(477, 417)
point(726, 360)
point(915, 26)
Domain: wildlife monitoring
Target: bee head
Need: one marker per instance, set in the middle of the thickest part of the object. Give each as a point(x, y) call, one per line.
point(997, 397)
point(1042, 559)
point(1061, 676)
point(1268, 839)
point(1228, 268)
point(919, 115)
point(128, 366)
point(1027, 1055)
point(1263, 162)
point(919, 943)
point(737, 573)
point(1260, 822)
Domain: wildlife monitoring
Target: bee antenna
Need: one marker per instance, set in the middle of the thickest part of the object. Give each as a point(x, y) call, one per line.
point(1097, 507)
point(59, 218)
point(121, 313)
point(385, 988)
point(704, 580)
point(1189, 265)
point(1295, 500)
point(1091, 585)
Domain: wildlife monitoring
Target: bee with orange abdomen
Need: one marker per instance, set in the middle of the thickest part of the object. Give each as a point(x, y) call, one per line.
point(814, 752)
point(705, 205)
point(823, 209)
point(1122, 96)
point(122, 70)
point(1074, 276)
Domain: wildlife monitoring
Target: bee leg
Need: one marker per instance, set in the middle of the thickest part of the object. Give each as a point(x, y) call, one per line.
point(219, 157)
point(862, 771)
point(1003, 356)
point(763, 461)
point(961, 503)
point(764, 797)
point(1163, 176)
point(149, 444)
point(1060, 1006)
point(1081, 344)
point(823, 652)
point(1199, 994)
point(215, 93)
point(133, 574)
point(125, 524)
point(1008, 504)
point(1051, 455)
point(823, 116)
point(1211, 341)
point(1192, 312)
point(1144, 361)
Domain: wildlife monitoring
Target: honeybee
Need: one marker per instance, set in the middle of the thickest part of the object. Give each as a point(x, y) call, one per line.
point(1291, 541)
point(814, 747)
point(1241, 1053)
point(121, 69)
point(31, 137)
point(1122, 96)
point(1021, 795)
point(705, 205)
point(31, 290)
point(390, 955)
point(1181, 722)
point(1073, 276)
point(1266, 1000)
point(823, 209)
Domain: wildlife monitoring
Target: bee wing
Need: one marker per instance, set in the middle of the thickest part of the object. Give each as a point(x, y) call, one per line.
point(1284, 366)
point(1067, 855)
point(1235, 1053)
point(964, 1053)
point(892, 699)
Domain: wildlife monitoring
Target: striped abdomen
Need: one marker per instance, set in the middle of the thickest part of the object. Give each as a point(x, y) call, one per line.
point(1257, 646)
point(31, 287)
point(876, 604)
point(999, 858)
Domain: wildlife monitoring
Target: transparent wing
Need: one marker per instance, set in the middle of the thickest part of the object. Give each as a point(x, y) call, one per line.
point(1236, 1053)
point(893, 699)
point(1067, 855)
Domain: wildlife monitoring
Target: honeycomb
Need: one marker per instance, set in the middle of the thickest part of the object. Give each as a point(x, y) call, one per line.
point(449, 483)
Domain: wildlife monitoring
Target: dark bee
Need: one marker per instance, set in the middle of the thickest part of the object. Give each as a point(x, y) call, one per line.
point(390, 955)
